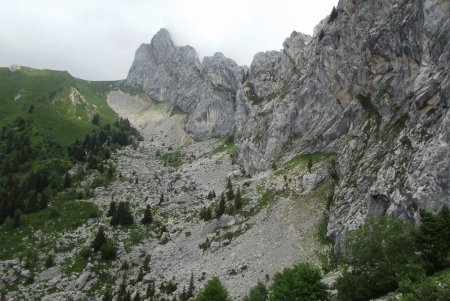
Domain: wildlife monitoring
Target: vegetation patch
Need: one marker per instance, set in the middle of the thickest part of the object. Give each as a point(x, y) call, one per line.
point(17, 242)
point(303, 161)
point(368, 106)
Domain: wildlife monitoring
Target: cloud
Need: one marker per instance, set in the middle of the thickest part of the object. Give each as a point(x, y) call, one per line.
point(97, 39)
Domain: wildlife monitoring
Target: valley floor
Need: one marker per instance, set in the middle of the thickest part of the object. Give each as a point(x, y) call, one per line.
point(276, 227)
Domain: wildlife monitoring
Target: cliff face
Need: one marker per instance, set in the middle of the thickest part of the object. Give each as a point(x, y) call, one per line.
point(206, 91)
point(371, 86)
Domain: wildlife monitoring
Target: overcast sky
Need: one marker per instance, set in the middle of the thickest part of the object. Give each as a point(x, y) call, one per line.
point(96, 39)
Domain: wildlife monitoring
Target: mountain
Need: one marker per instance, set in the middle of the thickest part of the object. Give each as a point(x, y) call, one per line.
point(58, 104)
point(371, 88)
point(206, 91)
point(253, 175)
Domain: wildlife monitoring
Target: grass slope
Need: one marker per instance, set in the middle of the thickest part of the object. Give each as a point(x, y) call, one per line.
point(58, 104)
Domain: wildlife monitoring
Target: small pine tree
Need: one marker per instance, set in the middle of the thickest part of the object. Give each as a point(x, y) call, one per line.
point(67, 180)
point(258, 293)
point(140, 275)
point(112, 209)
point(230, 192)
point(221, 207)
point(146, 264)
point(213, 291)
point(147, 219)
point(161, 198)
point(49, 262)
point(124, 215)
point(191, 288)
point(238, 199)
point(99, 240)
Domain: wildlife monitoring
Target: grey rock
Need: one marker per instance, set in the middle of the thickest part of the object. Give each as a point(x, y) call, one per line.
point(206, 91)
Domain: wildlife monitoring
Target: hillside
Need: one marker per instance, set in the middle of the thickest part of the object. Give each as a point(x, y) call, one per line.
point(58, 104)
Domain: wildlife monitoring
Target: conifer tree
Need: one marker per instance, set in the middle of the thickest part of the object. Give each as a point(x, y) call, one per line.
point(67, 180)
point(112, 209)
point(221, 207)
point(124, 215)
point(238, 199)
point(190, 291)
point(147, 219)
point(230, 192)
point(99, 240)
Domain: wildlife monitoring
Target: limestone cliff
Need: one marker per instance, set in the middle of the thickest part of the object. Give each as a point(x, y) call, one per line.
point(371, 86)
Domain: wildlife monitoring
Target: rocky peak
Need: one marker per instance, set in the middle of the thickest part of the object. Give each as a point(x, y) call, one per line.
point(206, 91)
point(161, 45)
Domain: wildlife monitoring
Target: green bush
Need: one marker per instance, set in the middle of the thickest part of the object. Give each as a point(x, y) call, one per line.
point(378, 255)
point(433, 238)
point(213, 291)
point(258, 293)
point(299, 283)
point(429, 289)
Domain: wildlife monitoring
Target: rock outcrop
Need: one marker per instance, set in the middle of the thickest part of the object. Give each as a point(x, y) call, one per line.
point(206, 91)
point(371, 86)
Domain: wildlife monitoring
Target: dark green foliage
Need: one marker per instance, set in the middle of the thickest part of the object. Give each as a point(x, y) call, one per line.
point(95, 119)
point(436, 288)
point(333, 15)
point(161, 198)
point(112, 211)
point(17, 221)
point(220, 210)
point(101, 243)
point(67, 180)
point(49, 262)
point(211, 195)
point(433, 238)
point(147, 219)
point(97, 145)
point(31, 167)
point(258, 293)
point(168, 287)
point(380, 254)
point(99, 240)
point(299, 283)
point(107, 296)
point(173, 159)
point(146, 265)
point(213, 291)
point(123, 215)
point(191, 288)
point(310, 164)
point(238, 199)
point(230, 192)
point(150, 290)
point(368, 106)
point(205, 213)
point(108, 251)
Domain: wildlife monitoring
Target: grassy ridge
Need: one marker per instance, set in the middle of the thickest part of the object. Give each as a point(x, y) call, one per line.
point(44, 97)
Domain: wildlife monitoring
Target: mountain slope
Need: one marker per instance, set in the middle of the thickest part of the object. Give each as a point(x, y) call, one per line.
point(58, 104)
point(372, 86)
